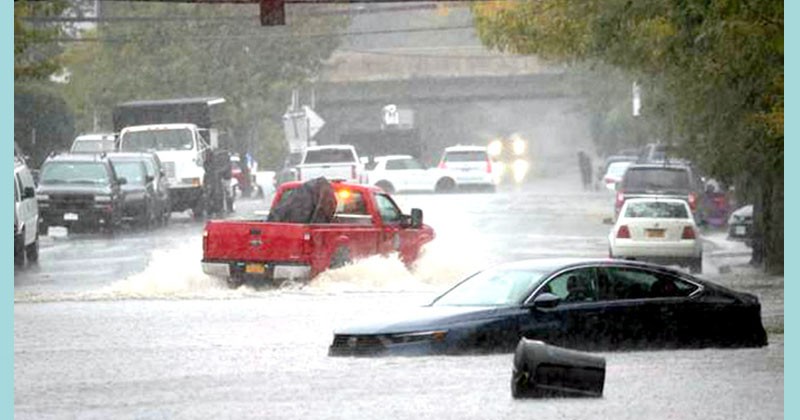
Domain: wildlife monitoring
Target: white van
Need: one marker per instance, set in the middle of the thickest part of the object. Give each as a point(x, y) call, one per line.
point(26, 215)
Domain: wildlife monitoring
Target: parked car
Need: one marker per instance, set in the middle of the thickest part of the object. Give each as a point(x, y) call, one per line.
point(94, 143)
point(576, 303)
point(26, 215)
point(740, 224)
point(145, 202)
point(79, 190)
point(335, 161)
point(405, 173)
point(658, 230)
point(614, 174)
point(470, 165)
point(669, 180)
point(311, 227)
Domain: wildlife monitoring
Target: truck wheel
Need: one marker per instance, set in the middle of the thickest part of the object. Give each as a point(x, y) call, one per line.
point(341, 257)
point(445, 185)
point(32, 250)
point(386, 186)
point(234, 282)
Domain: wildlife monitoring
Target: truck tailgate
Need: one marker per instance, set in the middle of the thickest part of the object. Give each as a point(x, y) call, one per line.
point(346, 171)
point(253, 241)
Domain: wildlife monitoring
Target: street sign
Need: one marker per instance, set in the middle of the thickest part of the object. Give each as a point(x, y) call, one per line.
point(390, 115)
point(315, 122)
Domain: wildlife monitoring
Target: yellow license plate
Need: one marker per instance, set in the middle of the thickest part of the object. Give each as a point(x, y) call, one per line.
point(654, 233)
point(254, 268)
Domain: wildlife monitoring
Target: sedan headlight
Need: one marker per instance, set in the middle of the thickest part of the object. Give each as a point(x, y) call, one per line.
point(519, 146)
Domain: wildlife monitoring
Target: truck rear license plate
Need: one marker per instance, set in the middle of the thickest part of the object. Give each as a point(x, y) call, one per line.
point(70, 216)
point(654, 233)
point(254, 268)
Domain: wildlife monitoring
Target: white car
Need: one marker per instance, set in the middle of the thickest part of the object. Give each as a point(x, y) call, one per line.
point(405, 173)
point(660, 230)
point(614, 174)
point(470, 165)
point(26, 215)
point(94, 143)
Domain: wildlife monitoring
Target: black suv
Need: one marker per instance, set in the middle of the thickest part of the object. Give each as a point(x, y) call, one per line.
point(79, 190)
point(669, 180)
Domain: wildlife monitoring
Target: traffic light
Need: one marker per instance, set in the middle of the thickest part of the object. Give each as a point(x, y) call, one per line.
point(272, 13)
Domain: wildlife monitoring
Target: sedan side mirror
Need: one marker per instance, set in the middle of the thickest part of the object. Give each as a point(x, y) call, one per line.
point(416, 218)
point(122, 180)
point(546, 301)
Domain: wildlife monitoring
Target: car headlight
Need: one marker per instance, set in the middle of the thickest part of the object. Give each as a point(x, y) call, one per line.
point(41, 197)
point(520, 169)
point(102, 198)
point(519, 146)
point(495, 148)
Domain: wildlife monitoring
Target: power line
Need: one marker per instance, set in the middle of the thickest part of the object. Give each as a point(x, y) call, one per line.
point(273, 35)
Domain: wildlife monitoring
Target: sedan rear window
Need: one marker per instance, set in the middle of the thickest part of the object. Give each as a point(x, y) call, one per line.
point(657, 209)
point(656, 179)
point(466, 156)
point(330, 156)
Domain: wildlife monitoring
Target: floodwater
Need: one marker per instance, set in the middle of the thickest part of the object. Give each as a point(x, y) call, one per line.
point(130, 327)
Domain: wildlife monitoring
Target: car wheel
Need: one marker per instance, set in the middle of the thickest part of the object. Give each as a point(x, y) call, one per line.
point(32, 251)
point(341, 257)
point(696, 265)
point(386, 186)
point(445, 185)
point(19, 250)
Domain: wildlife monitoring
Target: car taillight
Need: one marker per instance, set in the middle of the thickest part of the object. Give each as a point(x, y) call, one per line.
point(620, 200)
point(688, 233)
point(299, 174)
point(623, 232)
point(609, 180)
point(488, 166)
point(692, 201)
point(353, 172)
point(205, 241)
point(442, 165)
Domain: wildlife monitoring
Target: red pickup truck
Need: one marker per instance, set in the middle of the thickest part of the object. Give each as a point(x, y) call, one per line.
point(366, 222)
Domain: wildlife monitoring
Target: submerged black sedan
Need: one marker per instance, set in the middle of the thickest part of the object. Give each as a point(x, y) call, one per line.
point(584, 304)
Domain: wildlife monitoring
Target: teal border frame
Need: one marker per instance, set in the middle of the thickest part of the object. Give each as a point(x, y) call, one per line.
point(7, 238)
point(791, 201)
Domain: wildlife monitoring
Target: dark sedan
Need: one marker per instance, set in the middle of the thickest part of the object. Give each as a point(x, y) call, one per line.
point(586, 304)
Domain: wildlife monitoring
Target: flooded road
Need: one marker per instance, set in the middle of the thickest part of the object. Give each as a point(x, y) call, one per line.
point(130, 327)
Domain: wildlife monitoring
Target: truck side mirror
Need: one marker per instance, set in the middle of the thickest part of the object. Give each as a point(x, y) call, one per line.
point(416, 218)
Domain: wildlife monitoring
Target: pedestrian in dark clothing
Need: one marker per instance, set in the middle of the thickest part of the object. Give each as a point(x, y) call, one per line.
point(585, 166)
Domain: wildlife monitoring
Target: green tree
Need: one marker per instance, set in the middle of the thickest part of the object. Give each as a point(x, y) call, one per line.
point(35, 55)
point(200, 50)
point(712, 71)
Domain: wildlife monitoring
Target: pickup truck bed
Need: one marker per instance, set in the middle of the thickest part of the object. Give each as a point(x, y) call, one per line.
point(238, 250)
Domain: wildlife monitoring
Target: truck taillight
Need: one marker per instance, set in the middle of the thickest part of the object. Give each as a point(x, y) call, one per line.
point(442, 165)
point(692, 201)
point(205, 241)
point(688, 233)
point(623, 232)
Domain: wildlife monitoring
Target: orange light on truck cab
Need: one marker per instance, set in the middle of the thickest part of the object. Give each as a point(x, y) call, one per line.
point(343, 194)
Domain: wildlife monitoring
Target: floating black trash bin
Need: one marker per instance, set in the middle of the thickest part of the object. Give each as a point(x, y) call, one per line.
point(542, 370)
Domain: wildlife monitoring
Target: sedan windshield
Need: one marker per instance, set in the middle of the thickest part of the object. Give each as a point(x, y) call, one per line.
point(132, 171)
point(492, 288)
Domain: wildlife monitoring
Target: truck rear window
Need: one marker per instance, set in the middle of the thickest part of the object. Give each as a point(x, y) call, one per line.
point(330, 156)
point(466, 156)
point(143, 141)
point(659, 179)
